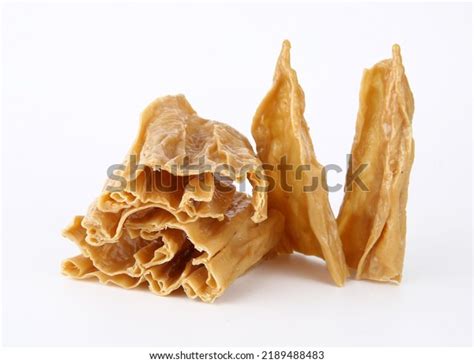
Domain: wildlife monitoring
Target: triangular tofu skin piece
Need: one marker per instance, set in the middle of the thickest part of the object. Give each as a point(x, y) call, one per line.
point(280, 131)
point(372, 223)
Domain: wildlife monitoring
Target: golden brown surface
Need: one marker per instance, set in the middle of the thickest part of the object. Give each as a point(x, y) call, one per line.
point(372, 224)
point(280, 130)
point(200, 234)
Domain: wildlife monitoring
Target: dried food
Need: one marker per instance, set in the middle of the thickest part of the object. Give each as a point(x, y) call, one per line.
point(372, 222)
point(281, 134)
point(171, 217)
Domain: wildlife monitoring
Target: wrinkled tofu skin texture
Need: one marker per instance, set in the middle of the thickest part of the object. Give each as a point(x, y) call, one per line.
point(200, 235)
point(172, 136)
point(372, 223)
point(203, 256)
point(280, 130)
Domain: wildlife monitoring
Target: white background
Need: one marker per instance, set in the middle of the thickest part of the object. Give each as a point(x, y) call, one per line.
point(75, 79)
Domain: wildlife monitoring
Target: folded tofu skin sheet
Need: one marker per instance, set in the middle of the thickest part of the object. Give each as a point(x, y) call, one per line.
point(169, 227)
point(280, 131)
point(372, 223)
point(170, 217)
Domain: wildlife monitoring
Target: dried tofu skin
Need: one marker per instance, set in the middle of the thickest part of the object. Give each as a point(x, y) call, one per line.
point(168, 227)
point(280, 131)
point(372, 223)
point(203, 256)
point(175, 139)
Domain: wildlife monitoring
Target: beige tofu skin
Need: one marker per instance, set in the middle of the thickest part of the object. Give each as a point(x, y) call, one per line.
point(199, 236)
point(372, 223)
point(280, 130)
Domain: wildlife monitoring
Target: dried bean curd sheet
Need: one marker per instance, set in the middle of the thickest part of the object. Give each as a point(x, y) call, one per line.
point(280, 132)
point(163, 222)
point(372, 223)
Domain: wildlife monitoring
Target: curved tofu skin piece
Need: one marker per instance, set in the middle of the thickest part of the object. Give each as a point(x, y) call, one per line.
point(372, 223)
point(173, 137)
point(203, 257)
point(280, 131)
point(168, 227)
